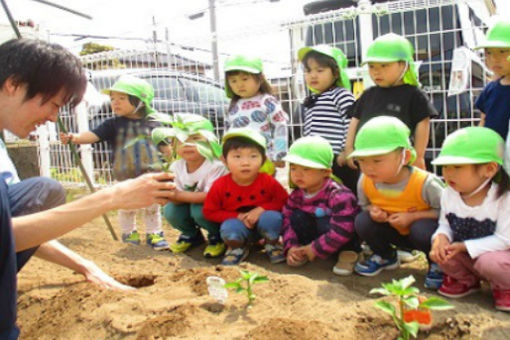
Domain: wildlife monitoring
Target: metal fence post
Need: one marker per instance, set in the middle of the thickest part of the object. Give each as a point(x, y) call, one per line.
point(366, 34)
point(85, 149)
point(44, 150)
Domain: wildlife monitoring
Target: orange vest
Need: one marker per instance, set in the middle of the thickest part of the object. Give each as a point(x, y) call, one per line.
point(409, 200)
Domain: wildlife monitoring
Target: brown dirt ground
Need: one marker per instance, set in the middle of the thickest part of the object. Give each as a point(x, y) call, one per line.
point(172, 300)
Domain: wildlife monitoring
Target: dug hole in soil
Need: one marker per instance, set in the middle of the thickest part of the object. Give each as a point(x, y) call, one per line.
point(172, 302)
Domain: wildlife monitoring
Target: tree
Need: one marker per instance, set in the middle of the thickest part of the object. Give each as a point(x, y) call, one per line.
point(91, 48)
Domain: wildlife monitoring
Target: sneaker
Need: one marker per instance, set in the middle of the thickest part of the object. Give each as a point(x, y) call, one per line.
point(408, 256)
point(156, 241)
point(434, 277)
point(275, 253)
point(215, 248)
point(375, 264)
point(454, 289)
point(501, 299)
point(133, 237)
point(346, 261)
point(185, 242)
point(235, 256)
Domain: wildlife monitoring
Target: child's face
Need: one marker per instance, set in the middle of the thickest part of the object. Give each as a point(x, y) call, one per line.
point(387, 74)
point(189, 152)
point(317, 76)
point(244, 164)
point(383, 168)
point(496, 60)
point(308, 179)
point(121, 105)
point(464, 178)
point(245, 85)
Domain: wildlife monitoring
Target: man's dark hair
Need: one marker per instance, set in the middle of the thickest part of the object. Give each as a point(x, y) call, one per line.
point(235, 143)
point(44, 68)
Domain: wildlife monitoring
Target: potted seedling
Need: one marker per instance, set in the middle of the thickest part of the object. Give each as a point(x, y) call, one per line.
point(413, 310)
point(245, 284)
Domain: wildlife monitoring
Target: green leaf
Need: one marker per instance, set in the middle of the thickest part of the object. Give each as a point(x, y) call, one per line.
point(252, 278)
point(381, 291)
point(208, 135)
point(412, 328)
point(235, 285)
point(245, 274)
point(409, 291)
point(259, 279)
point(412, 302)
point(163, 118)
point(386, 306)
point(240, 290)
point(436, 303)
point(407, 281)
point(162, 134)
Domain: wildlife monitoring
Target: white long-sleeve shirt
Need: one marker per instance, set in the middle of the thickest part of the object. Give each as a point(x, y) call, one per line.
point(483, 228)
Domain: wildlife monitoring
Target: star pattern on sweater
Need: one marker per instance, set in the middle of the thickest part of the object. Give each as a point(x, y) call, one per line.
point(468, 228)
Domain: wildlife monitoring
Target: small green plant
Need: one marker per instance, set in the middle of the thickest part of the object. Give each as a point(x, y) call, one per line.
point(412, 308)
point(249, 278)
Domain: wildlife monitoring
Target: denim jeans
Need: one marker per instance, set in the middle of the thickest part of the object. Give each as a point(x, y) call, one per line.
point(268, 227)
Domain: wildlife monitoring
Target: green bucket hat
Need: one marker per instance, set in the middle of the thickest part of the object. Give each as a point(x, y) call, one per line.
point(337, 55)
point(497, 36)
point(311, 151)
point(134, 86)
point(471, 145)
point(245, 132)
point(241, 63)
point(185, 125)
point(382, 135)
point(390, 48)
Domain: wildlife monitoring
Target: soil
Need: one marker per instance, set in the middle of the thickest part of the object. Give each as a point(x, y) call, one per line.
point(172, 301)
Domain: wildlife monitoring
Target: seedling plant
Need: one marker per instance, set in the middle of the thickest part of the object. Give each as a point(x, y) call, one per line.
point(245, 284)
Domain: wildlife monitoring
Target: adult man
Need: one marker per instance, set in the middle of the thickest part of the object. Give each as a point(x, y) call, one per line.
point(36, 80)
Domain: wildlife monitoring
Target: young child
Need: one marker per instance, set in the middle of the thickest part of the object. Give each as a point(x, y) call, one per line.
point(195, 171)
point(318, 218)
point(493, 101)
point(246, 202)
point(254, 106)
point(472, 242)
point(391, 67)
point(326, 109)
point(400, 202)
point(131, 99)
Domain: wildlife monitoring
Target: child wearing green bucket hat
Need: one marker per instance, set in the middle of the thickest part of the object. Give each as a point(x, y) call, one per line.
point(318, 218)
point(326, 108)
point(195, 170)
point(396, 93)
point(246, 202)
point(131, 100)
point(253, 105)
point(472, 242)
point(400, 202)
point(493, 101)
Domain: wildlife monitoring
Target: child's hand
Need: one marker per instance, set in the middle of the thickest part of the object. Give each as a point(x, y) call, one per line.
point(279, 164)
point(295, 256)
point(242, 218)
point(252, 216)
point(65, 138)
point(308, 251)
point(419, 163)
point(454, 249)
point(377, 214)
point(341, 159)
point(438, 253)
point(400, 220)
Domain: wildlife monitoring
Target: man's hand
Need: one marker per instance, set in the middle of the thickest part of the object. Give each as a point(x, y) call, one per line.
point(95, 275)
point(377, 214)
point(439, 250)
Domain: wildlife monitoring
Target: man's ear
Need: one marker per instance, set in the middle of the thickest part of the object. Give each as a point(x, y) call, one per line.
point(10, 86)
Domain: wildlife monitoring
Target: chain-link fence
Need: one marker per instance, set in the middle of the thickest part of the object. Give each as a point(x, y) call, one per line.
point(443, 32)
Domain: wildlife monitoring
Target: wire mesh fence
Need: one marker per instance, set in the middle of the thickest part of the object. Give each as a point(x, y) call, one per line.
point(439, 29)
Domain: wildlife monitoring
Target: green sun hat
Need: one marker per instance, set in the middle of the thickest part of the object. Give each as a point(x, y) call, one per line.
point(183, 126)
point(382, 135)
point(241, 63)
point(136, 87)
point(497, 36)
point(337, 55)
point(311, 151)
point(245, 132)
point(390, 48)
point(471, 145)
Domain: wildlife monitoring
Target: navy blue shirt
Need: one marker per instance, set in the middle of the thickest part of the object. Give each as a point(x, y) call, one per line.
point(8, 270)
point(494, 101)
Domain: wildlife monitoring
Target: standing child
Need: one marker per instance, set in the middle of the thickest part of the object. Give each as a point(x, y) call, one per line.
point(254, 106)
point(246, 202)
point(472, 242)
point(195, 171)
point(318, 218)
point(326, 109)
point(493, 101)
point(391, 67)
point(131, 99)
point(401, 203)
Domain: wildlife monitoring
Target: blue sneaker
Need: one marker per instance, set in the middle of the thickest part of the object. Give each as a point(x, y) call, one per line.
point(434, 277)
point(156, 241)
point(375, 264)
point(234, 256)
